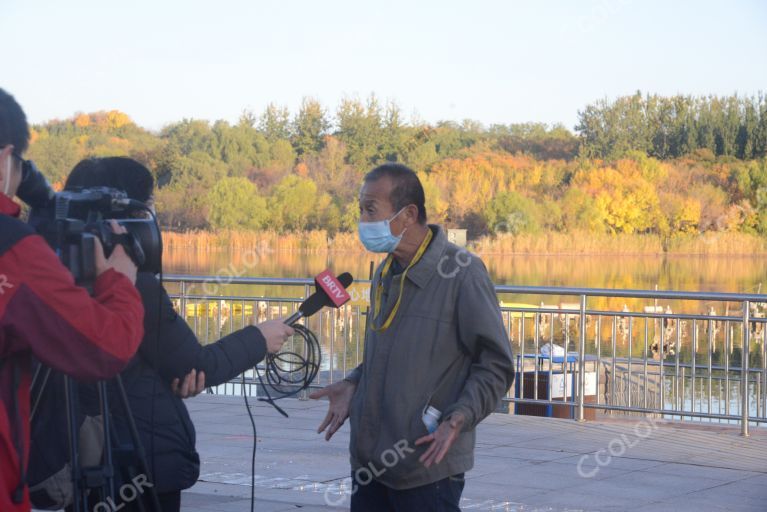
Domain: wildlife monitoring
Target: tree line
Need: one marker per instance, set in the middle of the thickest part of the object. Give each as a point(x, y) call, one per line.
point(639, 164)
point(672, 127)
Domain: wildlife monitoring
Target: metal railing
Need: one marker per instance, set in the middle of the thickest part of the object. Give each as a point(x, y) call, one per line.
point(648, 372)
point(649, 360)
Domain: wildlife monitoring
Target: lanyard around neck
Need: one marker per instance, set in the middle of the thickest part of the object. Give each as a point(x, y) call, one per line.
point(379, 288)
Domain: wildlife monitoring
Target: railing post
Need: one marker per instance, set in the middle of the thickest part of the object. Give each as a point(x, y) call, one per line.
point(183, 301)
point(581, 359)
point(744, 370)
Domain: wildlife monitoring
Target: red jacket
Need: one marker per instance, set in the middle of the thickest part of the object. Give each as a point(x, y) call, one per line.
point(43, 313)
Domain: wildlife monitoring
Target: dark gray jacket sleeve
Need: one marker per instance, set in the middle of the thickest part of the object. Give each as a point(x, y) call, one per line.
point(355, 375)
point(482, 334)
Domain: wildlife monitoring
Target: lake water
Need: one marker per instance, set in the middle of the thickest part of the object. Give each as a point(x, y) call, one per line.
point(690, 273)
point(696, 345)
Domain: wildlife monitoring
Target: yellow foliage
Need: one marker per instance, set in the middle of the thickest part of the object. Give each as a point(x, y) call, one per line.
point(682, 213)
point(109, 120)
point(82, 120)
point(627, 203)
point(116, 119)
point(436, 206)
point(468, 183)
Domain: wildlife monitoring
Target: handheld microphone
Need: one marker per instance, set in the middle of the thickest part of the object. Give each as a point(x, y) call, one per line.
point(290, 372)
point(329, 292)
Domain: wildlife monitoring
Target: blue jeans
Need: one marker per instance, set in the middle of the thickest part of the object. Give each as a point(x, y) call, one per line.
point(441, 496)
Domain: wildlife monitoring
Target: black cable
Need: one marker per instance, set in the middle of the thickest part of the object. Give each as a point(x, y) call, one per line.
point(157, 351)
point(150, 467)
point(152, 471)
point(253, 456)
point(303, 370)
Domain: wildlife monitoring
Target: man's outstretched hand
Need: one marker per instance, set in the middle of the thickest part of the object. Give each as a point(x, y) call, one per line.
point(340, 395)
point(441, 440)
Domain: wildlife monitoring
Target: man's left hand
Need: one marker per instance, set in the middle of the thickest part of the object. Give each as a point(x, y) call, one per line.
point(193, 385)
point(441, 440)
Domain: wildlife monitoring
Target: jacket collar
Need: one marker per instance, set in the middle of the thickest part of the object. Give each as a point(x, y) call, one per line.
point(8, 206)
point(427, 265)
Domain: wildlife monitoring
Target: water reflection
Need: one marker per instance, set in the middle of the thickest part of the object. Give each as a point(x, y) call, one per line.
point(701, 356)
point(722, 274)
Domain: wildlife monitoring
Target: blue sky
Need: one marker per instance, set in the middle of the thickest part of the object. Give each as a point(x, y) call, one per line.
point(492, 61)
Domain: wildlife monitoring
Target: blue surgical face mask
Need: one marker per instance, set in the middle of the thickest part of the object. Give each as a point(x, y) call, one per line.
point(377, 236)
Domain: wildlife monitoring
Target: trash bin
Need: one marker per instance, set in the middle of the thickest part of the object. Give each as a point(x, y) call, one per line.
point(551, 386)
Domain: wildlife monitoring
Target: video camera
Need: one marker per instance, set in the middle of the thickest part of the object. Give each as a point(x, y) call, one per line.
point(72, 220)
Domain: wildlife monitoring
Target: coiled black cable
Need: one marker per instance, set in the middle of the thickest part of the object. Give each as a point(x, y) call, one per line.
point(287, 374)
point(290, 372)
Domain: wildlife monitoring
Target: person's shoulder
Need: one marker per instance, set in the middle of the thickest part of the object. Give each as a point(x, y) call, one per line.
point(459, 262)
point(463, 256)
point(474, 264)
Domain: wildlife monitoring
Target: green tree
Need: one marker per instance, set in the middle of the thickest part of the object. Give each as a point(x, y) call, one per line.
point(281, 154)
point(292, 203)
point(234, 203)
point(274, 122)
point(423, 156)
point(579, 212)
point(56, 155)
point(350, 217)
point(511, 212)
point(309, 127)
point(189, 135)
point(241, 147)
point(330, 172)
point(360, 128)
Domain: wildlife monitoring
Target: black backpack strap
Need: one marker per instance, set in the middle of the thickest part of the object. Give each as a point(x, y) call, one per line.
point(14, 415)
point(11, 232)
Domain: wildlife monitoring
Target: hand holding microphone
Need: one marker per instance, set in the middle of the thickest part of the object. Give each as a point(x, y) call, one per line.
point(276, 333)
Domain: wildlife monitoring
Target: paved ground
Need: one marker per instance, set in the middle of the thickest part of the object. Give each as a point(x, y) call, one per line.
point(522, 463)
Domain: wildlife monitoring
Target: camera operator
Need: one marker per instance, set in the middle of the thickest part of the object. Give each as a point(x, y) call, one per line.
point(43, 313)
point(171, 363)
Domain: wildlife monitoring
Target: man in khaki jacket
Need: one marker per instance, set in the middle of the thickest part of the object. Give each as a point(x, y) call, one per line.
point(436, 361)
